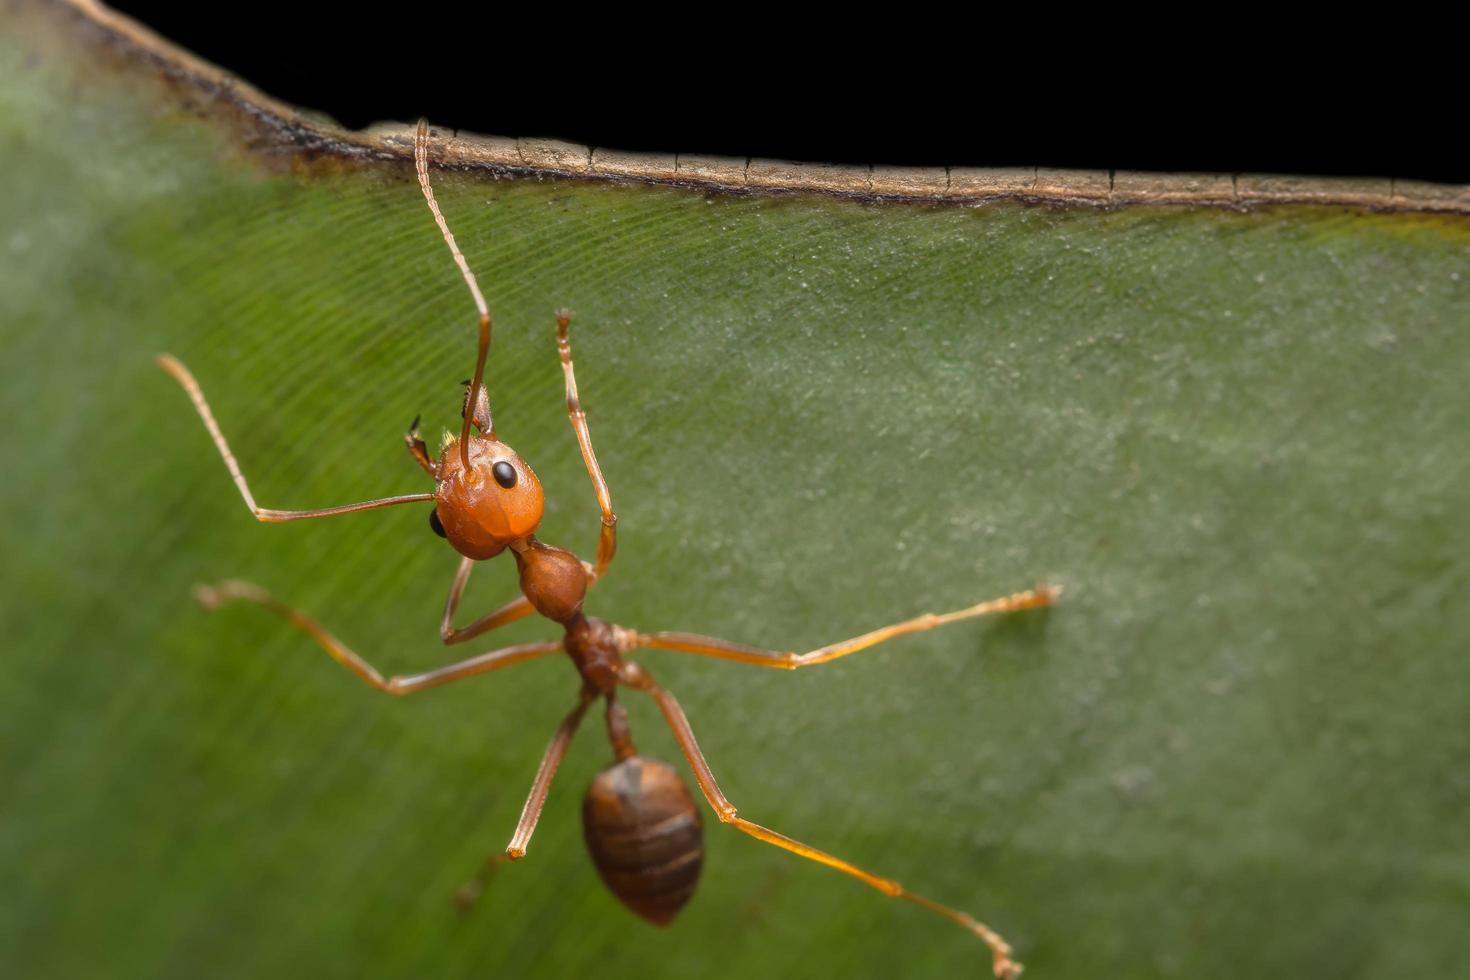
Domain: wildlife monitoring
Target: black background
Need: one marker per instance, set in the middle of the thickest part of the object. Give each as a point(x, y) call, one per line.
point(994, 98)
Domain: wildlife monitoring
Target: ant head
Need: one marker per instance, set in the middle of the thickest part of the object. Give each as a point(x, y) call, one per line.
point(488, 505)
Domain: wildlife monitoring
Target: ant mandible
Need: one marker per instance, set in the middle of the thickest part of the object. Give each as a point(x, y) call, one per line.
point(641, 825)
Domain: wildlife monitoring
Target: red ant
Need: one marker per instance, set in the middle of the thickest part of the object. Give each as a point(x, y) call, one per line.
point(642, 827)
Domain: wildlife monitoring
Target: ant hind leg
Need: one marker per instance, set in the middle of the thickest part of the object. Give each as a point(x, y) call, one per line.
point(556, 751)
point(636, 677)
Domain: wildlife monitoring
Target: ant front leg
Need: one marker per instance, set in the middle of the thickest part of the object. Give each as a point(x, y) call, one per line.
point(531, 812)
point(181, 374)
point(709, 646)
point(211, 597)
point(517, 608)
point(636, 677)
point(607, 541)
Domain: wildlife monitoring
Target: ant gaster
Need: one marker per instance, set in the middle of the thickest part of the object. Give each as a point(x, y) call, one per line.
point(641, 824)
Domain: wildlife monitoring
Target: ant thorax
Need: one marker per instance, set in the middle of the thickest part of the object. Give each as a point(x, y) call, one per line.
point(493, 502)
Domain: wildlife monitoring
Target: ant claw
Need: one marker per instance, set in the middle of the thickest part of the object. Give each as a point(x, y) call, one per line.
point(207, 596)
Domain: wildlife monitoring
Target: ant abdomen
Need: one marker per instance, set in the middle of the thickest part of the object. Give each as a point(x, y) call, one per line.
point(645, 836)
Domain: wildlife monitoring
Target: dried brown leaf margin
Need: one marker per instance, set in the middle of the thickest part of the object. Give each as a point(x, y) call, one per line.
point(279, 135)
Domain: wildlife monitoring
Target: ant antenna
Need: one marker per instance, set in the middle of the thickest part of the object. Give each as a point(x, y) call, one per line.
point(421, 162)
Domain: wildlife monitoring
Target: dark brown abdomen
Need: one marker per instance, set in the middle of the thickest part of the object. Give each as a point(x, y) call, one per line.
point(645, 836)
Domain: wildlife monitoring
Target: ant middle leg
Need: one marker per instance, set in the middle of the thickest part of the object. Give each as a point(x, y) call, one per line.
point(556, 751)
point(607, 541)
point(636, 677)
point(182, 375)
point(709, 646)
point(211, 597)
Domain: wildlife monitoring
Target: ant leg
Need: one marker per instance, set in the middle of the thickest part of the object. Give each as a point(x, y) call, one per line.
point(636, 677)
point(517, 608)
point(210, 597)
point(419, 449)
point(181, 374)
point(531, 812)
point(708, 646)
point(607, 541)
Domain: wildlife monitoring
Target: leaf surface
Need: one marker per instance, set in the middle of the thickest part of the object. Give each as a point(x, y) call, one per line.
point(1237, 438)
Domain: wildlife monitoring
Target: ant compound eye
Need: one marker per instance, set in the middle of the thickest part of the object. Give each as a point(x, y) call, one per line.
point(434, 524)
point(505, 474)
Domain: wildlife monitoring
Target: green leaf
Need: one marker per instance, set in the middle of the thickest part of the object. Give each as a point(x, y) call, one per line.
point(1236, 436)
